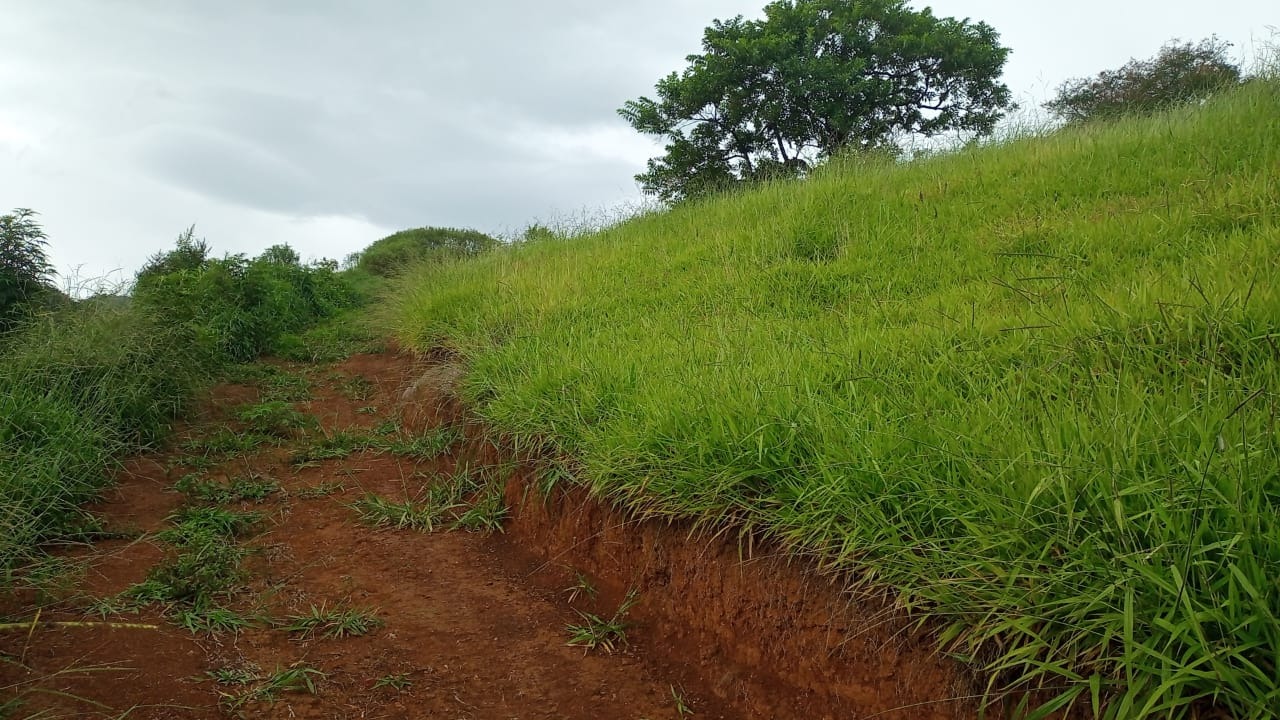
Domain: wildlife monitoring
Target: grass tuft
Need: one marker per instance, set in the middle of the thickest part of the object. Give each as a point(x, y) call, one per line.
point(595, 632)
point(298, 678)
point(337, 622)
point(276, 418)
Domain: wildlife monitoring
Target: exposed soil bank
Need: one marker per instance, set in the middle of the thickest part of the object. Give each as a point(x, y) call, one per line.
point(765, 633)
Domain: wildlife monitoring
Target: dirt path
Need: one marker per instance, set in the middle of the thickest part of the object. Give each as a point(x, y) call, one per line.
point(340, 541)
point(456, 628)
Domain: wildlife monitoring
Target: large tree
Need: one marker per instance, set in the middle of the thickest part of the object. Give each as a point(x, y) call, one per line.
point(773, 96)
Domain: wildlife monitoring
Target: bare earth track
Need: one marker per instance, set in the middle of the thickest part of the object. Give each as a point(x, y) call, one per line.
point(472, 625)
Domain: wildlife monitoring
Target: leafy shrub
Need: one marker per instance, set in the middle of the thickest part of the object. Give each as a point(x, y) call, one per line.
point(234, 308)
point(1181, 72)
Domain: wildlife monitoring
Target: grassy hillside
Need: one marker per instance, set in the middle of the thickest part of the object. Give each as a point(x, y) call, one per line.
point(1034, 387)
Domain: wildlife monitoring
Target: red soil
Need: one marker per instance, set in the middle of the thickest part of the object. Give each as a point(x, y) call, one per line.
point(475, 623)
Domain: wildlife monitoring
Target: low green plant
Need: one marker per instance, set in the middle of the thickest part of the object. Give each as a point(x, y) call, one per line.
point(682, 706)
point(582, 587)
point(595, 632)
point(379, 512)
point(210, 620)
point(336, 622)
point(253, 486)
point(197, 525)
point(196, 577)
point(109, 606)
point(425, 446)
point(275, 417)
point(358, 388)
point(298, 678)
point(485, 511)
point(207, 565)
point(323, 489)
point(283, 386)
point(233, 674)
point(333, 446)
point(225, 443)
point(398, 682)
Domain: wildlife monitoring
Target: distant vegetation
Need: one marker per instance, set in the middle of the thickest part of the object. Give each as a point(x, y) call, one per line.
point(774, 97)
point(1180, 72)
point(1030, 386)
point(395, 253)
point(236, 308)
point(26, 277)
point(85, 382)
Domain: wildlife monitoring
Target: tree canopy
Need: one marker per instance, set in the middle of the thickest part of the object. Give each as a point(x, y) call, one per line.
point(1180, 72)
point(25, 271)
point(774, 96)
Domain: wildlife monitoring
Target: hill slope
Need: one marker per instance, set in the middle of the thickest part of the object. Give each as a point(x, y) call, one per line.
point(1033, 387)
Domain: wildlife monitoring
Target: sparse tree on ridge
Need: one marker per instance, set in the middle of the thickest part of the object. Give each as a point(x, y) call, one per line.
point(188, 254)
point(281, 254)
point(1180, 72)
point(771, 97)
point(25, 271)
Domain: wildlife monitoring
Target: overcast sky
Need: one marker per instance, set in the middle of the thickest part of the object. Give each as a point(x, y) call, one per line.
point(327, 124)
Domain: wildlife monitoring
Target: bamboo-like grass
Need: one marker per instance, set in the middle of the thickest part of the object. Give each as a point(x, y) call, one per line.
point(1031, 386)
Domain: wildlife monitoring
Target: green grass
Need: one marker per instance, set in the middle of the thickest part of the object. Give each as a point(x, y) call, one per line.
point(297, 678)
point(379, 512)
point(78, 390)
point(275, 417)
point(398, 682)
point(338, 338)
point(470, 499)
point(253, 486)
point(324, 489)
point(428, 445)
point(1031, 386)
point(205, 567)
point(211, 620)
point(336, 622)
point(226, 443)
point(596, 632)
point(387, 437)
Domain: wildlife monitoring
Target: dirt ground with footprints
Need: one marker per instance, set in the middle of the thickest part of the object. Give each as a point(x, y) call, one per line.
point(342, 541)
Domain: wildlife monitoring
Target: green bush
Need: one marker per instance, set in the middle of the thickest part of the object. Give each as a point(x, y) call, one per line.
point(235, 308)
point(393, 254)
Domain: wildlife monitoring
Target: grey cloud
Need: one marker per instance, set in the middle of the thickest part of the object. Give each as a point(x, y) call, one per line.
point(397, 112)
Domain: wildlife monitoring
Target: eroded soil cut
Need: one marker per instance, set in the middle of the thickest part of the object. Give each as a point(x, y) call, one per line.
point(398, 565)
